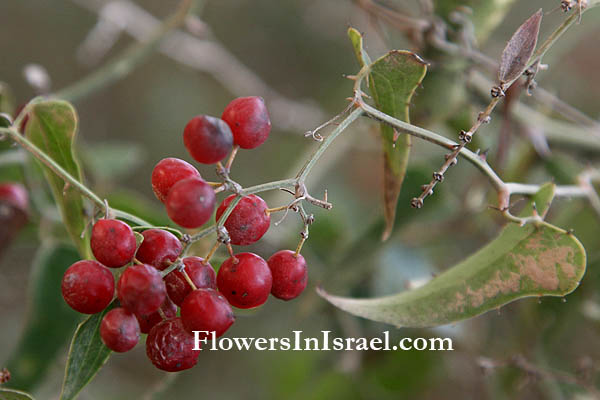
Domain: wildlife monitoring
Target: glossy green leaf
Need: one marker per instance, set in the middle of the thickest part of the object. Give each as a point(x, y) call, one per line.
point(50, 321)
point(521, 262)
point(52, 127)
point(11, 394)
point(392, 81)
point(87, 355)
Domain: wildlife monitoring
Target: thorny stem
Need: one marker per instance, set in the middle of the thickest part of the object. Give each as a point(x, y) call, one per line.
point(436, 139)
point(583, 189)
point(434, 32)
point(465, 137)
point(541, 94)
point(484, 117)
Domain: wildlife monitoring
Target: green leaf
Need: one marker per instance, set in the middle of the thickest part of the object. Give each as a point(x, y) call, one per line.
point(357, 44)
point(392, 81)
point(87, 355)
point(52, 127)
point(50, 321)
point(521, 262)
point(11, 394)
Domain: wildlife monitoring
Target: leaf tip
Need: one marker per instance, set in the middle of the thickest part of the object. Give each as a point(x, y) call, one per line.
point(387, 232)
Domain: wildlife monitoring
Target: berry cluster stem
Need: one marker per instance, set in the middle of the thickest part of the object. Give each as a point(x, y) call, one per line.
point(212, 251)
point(188, 279)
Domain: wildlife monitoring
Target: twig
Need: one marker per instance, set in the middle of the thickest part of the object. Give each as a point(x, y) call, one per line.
point(213, 58)
point(554, 129)
point(504, 189)
point(437, 38)
point(484, 117)
point(123, 64)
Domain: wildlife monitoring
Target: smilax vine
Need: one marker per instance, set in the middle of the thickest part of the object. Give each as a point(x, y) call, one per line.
point(134, 278)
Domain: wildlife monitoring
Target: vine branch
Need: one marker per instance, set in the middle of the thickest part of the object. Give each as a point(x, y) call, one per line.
point(123, 64)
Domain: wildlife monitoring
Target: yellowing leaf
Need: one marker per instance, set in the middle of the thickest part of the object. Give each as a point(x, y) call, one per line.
point(521, 262)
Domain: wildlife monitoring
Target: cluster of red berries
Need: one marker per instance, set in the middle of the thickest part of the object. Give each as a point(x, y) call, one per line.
point(149, 301)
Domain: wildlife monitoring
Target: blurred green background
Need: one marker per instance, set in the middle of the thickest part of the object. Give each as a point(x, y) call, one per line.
point(299, 50)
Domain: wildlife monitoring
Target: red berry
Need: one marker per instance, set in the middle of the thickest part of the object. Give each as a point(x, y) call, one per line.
point(249, 121)
point(170, 347)
point(159, 248)
point(113, 242)
point(245, 280)
point(88, 286)
point(201, 273)
point(289, 274)
point(119, 330)
point(148, 321)
point(248, 221)
point(191, 202)
point(206, 310)
point(207, 139)
point(168, 172)
point(140, 289)
point(15, 195)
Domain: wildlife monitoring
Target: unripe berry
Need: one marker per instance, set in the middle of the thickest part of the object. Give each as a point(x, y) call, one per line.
point(140, 289)
point(14, 194)
point(245, 280)
point(207, 139)
point(206, 310)
point(248, 221)
point(148, 321)
point(249, 121)
point(191, 203)
point(159, 248)
point(119, 330)
point(289, 274)
point(168, 172)
point(88, 286)
point(113, 242)
point(170, 347)
point(201, 273)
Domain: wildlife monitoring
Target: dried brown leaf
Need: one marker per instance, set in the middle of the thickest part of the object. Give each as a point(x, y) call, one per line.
point(519, 49)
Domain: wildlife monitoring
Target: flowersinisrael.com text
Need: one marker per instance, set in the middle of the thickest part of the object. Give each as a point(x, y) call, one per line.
point(204, 340)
